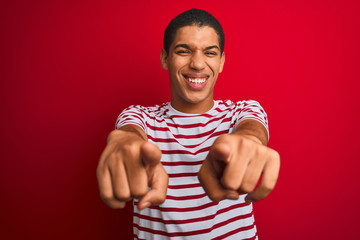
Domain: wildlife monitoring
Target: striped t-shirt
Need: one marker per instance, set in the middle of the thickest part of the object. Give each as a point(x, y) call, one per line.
point(185, 140)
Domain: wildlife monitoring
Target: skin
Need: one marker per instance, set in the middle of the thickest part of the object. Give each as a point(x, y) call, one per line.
point(130, 164)
point(195, 52)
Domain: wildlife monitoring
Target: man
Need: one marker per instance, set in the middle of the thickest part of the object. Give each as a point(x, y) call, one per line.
point(191, 165)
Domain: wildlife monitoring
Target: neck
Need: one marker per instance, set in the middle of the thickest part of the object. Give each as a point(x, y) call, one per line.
point(197, 108)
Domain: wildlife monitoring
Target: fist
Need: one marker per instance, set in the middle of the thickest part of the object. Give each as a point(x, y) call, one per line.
point(234, 166)
point(128, 166)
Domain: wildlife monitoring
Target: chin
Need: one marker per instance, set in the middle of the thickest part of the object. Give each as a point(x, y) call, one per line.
point(195, 100)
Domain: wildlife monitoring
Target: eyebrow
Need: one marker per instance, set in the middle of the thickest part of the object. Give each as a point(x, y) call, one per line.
point(188, 47)
point(211, 47)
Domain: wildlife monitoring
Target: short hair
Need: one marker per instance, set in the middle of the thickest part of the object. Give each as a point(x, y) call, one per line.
point(193, 17)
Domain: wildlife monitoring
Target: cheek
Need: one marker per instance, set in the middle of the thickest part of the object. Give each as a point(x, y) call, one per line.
point(215, 66)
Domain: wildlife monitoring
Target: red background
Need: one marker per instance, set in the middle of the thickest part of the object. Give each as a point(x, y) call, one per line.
point(68, 68)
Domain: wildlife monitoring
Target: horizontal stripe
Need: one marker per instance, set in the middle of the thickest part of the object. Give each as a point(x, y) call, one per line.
point(196, 136)
point(187, 209)
point(184, 186)
point(241, 229)
point(177, 175)
point(206, 149)
point(183, 136)
point(221, 119)
point(182, 163)
point(189, 197)
point(197, 232)
point(198, 219)
point(184, 140)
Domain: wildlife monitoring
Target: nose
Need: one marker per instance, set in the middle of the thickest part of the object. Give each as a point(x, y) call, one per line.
point(197, 61)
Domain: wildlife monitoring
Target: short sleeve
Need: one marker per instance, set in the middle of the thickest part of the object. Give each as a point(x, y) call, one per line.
point(251, 109)
point(131, 115)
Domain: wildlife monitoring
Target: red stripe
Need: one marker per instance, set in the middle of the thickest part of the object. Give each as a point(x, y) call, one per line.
point(132, 114)
point(184, 186)
point(190, 197)
point(203, 134)
point(198, 219)
point(182, 163)
point(193, 116)
point(176, 175)
point(243, 107)
point(169, 140)
point(206, 149)
point(136, 237)
point(245, 228)
point(195, 125)
point(188, 209)
point(201, 231)
point(178, 116)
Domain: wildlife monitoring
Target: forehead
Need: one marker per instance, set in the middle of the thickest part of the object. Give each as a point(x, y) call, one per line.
point(196, 36)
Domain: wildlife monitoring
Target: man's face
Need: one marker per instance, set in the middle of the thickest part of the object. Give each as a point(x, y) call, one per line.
point(194, 63)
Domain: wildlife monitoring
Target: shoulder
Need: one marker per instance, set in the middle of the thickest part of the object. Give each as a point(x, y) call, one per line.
point(229, 104)
point(150, 111)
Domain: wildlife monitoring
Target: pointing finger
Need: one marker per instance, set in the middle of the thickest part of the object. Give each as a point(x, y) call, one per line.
point(210, 183)
point(158, 181)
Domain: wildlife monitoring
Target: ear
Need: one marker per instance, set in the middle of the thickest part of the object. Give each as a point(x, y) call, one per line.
point(163, 58)
point(222, 62)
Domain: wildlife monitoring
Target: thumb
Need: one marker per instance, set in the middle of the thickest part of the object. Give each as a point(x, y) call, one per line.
point(150, 153)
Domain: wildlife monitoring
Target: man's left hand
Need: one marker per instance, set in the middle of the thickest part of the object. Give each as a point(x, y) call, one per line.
point(235, 164)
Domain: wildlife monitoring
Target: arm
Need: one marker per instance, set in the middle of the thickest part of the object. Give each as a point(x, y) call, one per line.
point(252, 129)
point(128, 165)
point(237, 161)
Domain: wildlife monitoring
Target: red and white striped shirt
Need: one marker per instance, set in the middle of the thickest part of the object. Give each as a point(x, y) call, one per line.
point(185, 140)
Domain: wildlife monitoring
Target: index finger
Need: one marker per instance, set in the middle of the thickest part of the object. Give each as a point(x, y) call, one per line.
point(209, 180)
point(158, 182)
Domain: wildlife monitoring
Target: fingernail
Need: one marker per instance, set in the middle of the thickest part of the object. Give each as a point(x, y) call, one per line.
point(232, 196)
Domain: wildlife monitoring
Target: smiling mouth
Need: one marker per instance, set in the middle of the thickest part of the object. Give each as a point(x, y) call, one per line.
point(195, 79)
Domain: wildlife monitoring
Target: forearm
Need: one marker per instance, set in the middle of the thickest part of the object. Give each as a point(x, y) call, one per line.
point(253, 129)
point(128, 129)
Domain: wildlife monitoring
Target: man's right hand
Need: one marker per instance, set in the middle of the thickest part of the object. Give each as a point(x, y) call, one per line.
point(128, 166)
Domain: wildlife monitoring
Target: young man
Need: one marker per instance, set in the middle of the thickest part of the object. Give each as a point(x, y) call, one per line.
point(191, 165)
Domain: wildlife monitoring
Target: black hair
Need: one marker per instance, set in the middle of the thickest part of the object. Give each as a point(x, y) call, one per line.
point(193, 17)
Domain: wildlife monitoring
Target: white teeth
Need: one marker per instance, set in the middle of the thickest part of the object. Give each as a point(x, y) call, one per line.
point(197, 80)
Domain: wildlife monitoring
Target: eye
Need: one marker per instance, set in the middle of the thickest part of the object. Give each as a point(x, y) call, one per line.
point(182, 52)
point(211, 53)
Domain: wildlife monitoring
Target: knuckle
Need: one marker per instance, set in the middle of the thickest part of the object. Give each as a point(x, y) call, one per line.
point(138, 191)
point(247, 187)
point(130, 148)
point(268, 187)
point(245, 143)
point(215, 197)
point(261, 151)
point(161, 198)
point(106, 198)
point(276, 155)
point(122, 195)
point(230, 184)
point(112, 205)
point(222, 138)
point(114, 158)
